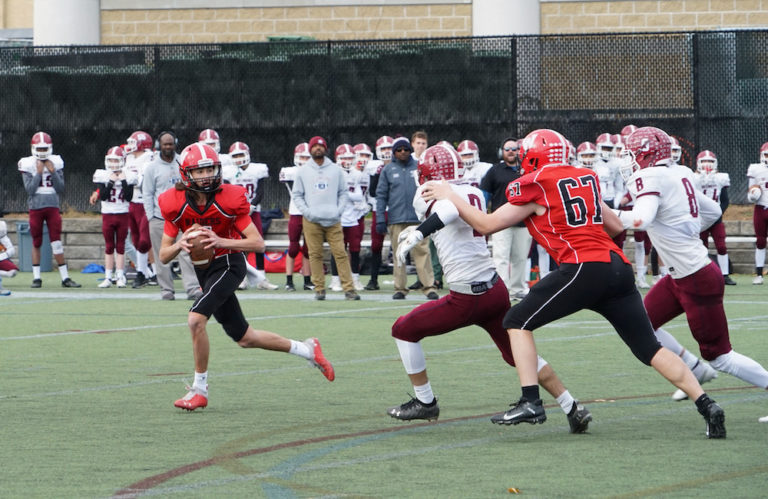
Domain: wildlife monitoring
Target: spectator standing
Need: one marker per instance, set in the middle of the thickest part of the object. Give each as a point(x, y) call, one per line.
point(320, 193)
point(419, 143)
point(511, 245)
point(394, 200)
point(43, 176)
point(159, 176)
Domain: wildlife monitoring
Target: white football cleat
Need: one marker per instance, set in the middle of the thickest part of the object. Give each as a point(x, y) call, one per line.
point(757, 280)
point(244, 284)
point(265, 284)
point(764, 419)
point(336, 284)
point(121, 281)
point(105, 283)
point(708, 374)
point(642, 283)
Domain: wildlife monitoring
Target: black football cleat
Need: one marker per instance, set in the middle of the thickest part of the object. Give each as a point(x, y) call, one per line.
point(523, 411)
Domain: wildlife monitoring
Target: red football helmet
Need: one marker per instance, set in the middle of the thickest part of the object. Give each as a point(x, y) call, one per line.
point(605, 146)
point(706, 162)
point(626, 131)
point(210, 137)
point(240, 154)
point(345, 156)
point(469, 153)
point(384, 148)
point(301, 154)
point(676, 150)
point(440, 163)
point(542, 148)
point(42, 145)
point(138, 141)
point(764, 153)
point(586, 154)
point(363, 155)
point(647, 146)
point(115, 159)
point(197, 156)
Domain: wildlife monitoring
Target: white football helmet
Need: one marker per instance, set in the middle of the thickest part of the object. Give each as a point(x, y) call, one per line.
point(41, 145)
point(345, 156)
point(677, 151)
point(301, 154)
point(384, 148)
point(115, 159)
point(586, 154)
point(706, 162)
point(240, 154)
point(210, 137)
point(469, 153)
point(363, 155)
point(605, 146)
point(764, 154)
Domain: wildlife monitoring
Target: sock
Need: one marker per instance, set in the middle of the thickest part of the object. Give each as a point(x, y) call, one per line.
point(703, 402)
point(307, 280)
point(63, 272)
point(201, 381)
point(289, 279)
point(759, 271)
point(722, 262)
point(36, 271)
point(108, 274)
point(531, 393)
point(141, 262)
point(259, 261)
point(566, 401)
point(424, 393)
point(120, 273)
point(301, 349)
point(640, 257)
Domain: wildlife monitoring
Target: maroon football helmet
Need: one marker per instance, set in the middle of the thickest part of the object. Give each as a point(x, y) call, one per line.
point(440, 163)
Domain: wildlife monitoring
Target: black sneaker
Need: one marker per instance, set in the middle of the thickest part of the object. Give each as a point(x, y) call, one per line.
point(37, 283)
point(715, 418)
point(309, 287)
point(415, 409)
point(523, 411)
point(290, 287)
point(69, 283)
point(139, 281)
point(729, 281)
point(416, 285)
point(433, 296)
point(372, 286)
point(579, 419)
point(351, 295)
point(152, 281)
point(320, 295)
point(398, 296)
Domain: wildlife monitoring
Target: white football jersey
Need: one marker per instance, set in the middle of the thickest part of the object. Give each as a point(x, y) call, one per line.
point(357, 198)
point(712, 184)
point(134, 172)
point(611, 183)
point(474, 175)
point(29, 165)
point(116, 203)
point(287, 176)
point(247, 177)
point(757, 174)
point(677, 224)
point(462, 252)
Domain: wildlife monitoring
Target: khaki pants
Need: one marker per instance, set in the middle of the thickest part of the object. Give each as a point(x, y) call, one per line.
point(314, 236)
point(421, 257)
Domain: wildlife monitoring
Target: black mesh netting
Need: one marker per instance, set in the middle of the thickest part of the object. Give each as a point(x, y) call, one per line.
point(708, 89)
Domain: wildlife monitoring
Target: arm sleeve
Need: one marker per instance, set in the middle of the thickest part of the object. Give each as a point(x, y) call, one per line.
point(105, 190)
point(724, 201)
point(431, 224)
point(127, 190)
point(258, 195)
point(373, 184)
point(643, 213)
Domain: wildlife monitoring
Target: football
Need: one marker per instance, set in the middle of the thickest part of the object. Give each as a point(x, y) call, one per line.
point(754, 193)
point(200, 256)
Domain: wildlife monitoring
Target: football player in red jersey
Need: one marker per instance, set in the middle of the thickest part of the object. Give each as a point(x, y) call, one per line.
point(560, 204)
point(223, 212)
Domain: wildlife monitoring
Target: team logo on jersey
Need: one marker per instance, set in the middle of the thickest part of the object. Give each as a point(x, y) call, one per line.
point(321, 184)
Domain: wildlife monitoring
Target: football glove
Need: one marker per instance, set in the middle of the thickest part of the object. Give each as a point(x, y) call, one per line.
point(408, 238)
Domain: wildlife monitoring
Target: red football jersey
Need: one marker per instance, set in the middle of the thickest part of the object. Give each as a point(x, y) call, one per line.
point(227, 213)
point(572, 227)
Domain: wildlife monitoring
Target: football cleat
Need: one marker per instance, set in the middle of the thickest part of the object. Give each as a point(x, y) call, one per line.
point(5, 292)
point(121, 282)
point(729, 281)
point(265, 284)
point(642, 283)
point(318, 360)
point(522, 411)
point(105, 283)
point(579, 419)
point(708, 373)
point(415, 409)
point(309, 287)
point(372, 286)
point(764, 419)
point(715, 418)
point(69, 283)
point(139, 281)
point(152, 281)
point(290, 287)
point(195, 398)
point(243, 285)
point(757, 280)
point(37, 283)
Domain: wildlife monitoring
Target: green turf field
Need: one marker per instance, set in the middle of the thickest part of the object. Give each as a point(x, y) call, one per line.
point(88, 378)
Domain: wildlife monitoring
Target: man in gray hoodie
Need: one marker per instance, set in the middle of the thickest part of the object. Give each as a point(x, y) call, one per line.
point(320, 193)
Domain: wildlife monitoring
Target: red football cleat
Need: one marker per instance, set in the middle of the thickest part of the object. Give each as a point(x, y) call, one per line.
point(194, 399)
point(318, 360)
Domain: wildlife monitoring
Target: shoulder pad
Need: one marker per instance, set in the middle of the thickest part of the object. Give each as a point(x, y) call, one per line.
point(101, 176)
point(58, 163)
point(27, 165)
point(261, 170)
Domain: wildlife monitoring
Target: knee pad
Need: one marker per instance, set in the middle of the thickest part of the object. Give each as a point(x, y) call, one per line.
point(57, 248)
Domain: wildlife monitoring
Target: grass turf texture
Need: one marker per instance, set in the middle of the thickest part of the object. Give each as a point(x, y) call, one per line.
point(89, 377)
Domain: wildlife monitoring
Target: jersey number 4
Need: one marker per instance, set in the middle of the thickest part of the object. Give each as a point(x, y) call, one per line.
point(577, 207)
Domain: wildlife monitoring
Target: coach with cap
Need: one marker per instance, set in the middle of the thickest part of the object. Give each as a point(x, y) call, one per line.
point(397, 186)
point(320, 193)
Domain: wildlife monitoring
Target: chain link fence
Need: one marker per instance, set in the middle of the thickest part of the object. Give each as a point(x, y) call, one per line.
point(709, 89)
